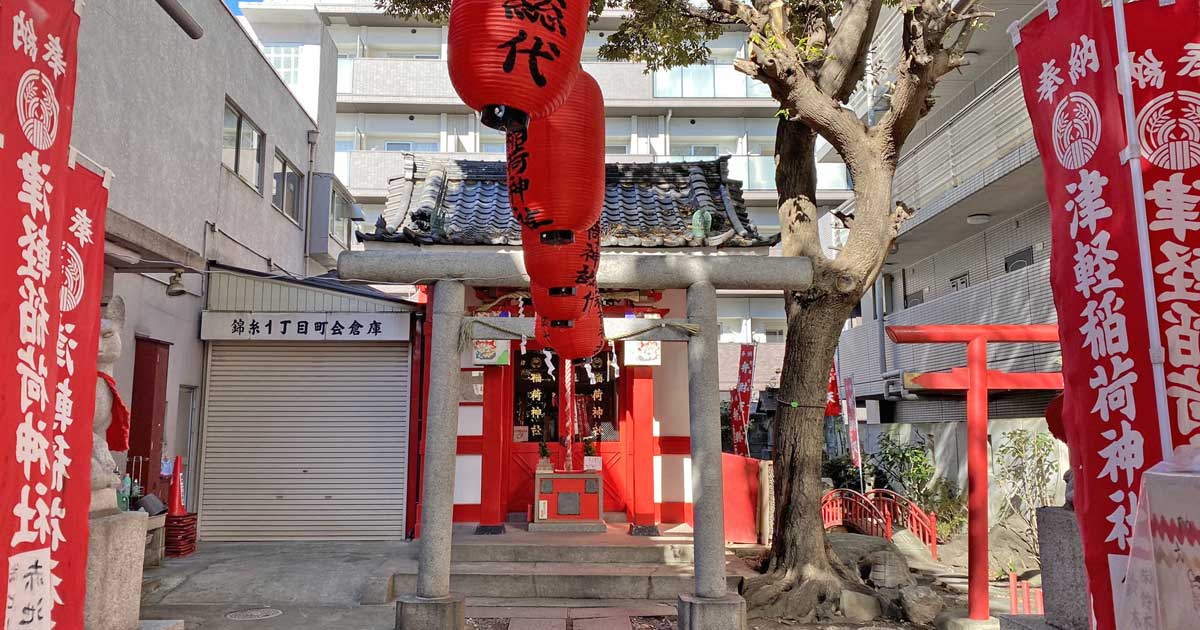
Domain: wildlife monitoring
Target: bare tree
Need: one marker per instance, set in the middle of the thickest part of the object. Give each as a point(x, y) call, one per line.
point(812, 54)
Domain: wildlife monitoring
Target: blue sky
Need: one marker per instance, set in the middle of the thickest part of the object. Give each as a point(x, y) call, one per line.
point(233, 5)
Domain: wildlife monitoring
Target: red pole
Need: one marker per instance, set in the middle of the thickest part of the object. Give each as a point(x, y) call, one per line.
point(933, 534)
point(977, 480)
point(1040, 610)
point(1025, 597)
point(1012, 593)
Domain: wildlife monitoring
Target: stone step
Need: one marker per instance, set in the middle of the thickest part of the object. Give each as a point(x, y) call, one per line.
point(570, 580)
point(580, 554)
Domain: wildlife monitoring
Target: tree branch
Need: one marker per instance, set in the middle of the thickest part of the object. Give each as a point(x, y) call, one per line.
point(846, 53)
point(743, 12)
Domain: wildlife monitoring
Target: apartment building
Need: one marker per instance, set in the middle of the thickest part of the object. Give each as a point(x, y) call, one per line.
point(223, 208)
point(976, 250)
point(394, 98)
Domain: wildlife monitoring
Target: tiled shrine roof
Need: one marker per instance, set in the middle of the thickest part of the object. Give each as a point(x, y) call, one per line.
point(465, 202)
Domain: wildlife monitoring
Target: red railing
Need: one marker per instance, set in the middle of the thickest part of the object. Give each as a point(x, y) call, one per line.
point(902, 511)
point(843, 506)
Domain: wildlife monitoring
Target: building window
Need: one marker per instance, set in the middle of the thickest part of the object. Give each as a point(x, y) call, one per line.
point(704, 150)
point(1019, 260)
point(286, 59)
point(340, 211)
point(958, 283)
point(770, 330)
point(913, 299)
point(242, 147)
point(616, 149)
point(286, 182)
point(731, 330)
point(418, 147)
point(492, 147)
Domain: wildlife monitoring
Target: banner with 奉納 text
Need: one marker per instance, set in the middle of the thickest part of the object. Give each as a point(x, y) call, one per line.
point(44, 462)
point(739, 401)
point(1164, 56)
point(1067, 58)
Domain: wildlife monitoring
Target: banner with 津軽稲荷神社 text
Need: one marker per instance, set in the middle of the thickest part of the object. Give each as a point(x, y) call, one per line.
point(1068, 59)
point(45, 436)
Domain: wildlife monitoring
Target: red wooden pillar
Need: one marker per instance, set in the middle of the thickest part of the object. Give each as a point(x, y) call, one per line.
point(638, 393)
point(977, 479)
point(497, 392)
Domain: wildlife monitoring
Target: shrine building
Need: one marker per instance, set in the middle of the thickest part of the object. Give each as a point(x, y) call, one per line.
point(631, 400)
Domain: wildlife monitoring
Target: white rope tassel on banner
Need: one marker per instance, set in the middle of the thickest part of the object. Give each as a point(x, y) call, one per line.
point(549, 362)
point(612, 359)
point(587, 367)
point(521, 313)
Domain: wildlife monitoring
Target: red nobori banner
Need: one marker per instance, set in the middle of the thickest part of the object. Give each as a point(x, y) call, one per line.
point(1164, 55)
point(739, 401)
point(1068, 74)
point(44, 479)
point(833, 403)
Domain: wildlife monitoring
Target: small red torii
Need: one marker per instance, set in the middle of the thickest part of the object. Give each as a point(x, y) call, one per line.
point(976, 380)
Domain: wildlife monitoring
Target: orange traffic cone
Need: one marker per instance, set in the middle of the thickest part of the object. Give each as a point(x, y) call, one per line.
point(175, 507)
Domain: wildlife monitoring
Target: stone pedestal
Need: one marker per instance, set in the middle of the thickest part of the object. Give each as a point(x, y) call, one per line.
point(1064, 578)
point(438, 613)
point(712, 613)
point(116, 546)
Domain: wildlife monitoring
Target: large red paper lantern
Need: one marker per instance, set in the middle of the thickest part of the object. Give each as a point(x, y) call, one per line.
point(563, 258)
point(565, 303)
point(575, 339)
point(515, 60)
point(556, 165)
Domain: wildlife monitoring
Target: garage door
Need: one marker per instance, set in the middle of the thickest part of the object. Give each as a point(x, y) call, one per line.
point(305, 441)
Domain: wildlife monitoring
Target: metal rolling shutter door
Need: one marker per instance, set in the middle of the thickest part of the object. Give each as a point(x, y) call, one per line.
point(305, 441)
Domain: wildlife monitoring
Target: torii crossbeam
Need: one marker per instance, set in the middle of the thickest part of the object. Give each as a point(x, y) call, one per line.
point(976, 380)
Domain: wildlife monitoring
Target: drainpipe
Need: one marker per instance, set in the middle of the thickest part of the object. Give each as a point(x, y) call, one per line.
point(181, 17)
point(667, 133)
point(314, 135)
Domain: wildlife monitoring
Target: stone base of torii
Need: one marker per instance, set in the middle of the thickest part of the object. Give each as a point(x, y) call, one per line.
point(711, 607)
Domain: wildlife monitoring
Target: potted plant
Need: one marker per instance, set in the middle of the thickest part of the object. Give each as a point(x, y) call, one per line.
point(590, 460)
point(544, 464)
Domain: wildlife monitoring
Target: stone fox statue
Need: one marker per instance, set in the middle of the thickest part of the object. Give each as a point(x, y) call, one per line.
point(112, 320)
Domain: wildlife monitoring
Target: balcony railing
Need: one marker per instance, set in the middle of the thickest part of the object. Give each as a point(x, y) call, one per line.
point(429, 79)
point(367, 172)
point(1018, 297)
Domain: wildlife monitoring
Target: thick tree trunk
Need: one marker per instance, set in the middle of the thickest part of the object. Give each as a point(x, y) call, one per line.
point(801, 571)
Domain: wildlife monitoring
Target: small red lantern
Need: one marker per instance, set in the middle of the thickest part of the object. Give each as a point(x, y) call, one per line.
point(515, 60)
point(556, 165)
point(572, 339)
point(561, 258)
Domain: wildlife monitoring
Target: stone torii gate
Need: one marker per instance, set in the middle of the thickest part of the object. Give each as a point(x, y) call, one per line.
point(711, 607)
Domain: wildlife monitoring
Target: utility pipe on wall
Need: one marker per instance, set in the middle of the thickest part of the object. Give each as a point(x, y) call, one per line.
point(182, 18)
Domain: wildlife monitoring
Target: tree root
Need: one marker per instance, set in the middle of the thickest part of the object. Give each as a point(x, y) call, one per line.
point(805, 593)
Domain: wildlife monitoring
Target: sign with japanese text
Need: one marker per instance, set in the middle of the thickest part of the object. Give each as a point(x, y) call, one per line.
point(44, 481)
point(643, 352)
point(833, 404)
point(490, 352)
point(1068, 74)
point(852, 425)
point(1165, 78)
point(241, 326)
point(739, 401)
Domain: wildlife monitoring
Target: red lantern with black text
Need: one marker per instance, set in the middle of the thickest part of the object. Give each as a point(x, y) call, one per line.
point(572, 339)
point(515, 60)
point(569, 302)
point(556, 165)
point(561, 258)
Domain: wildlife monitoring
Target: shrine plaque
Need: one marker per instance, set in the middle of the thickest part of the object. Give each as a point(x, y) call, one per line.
point(521, 434)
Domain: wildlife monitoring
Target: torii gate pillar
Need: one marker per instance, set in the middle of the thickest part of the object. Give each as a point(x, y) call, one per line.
point(977, 382)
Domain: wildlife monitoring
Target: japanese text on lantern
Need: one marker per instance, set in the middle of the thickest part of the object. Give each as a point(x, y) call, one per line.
point(1096, 259)
point(548, 16)
point(41, 447)
point(1168, 132)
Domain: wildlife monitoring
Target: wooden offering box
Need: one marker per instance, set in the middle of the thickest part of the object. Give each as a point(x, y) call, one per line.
point(568, 502)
